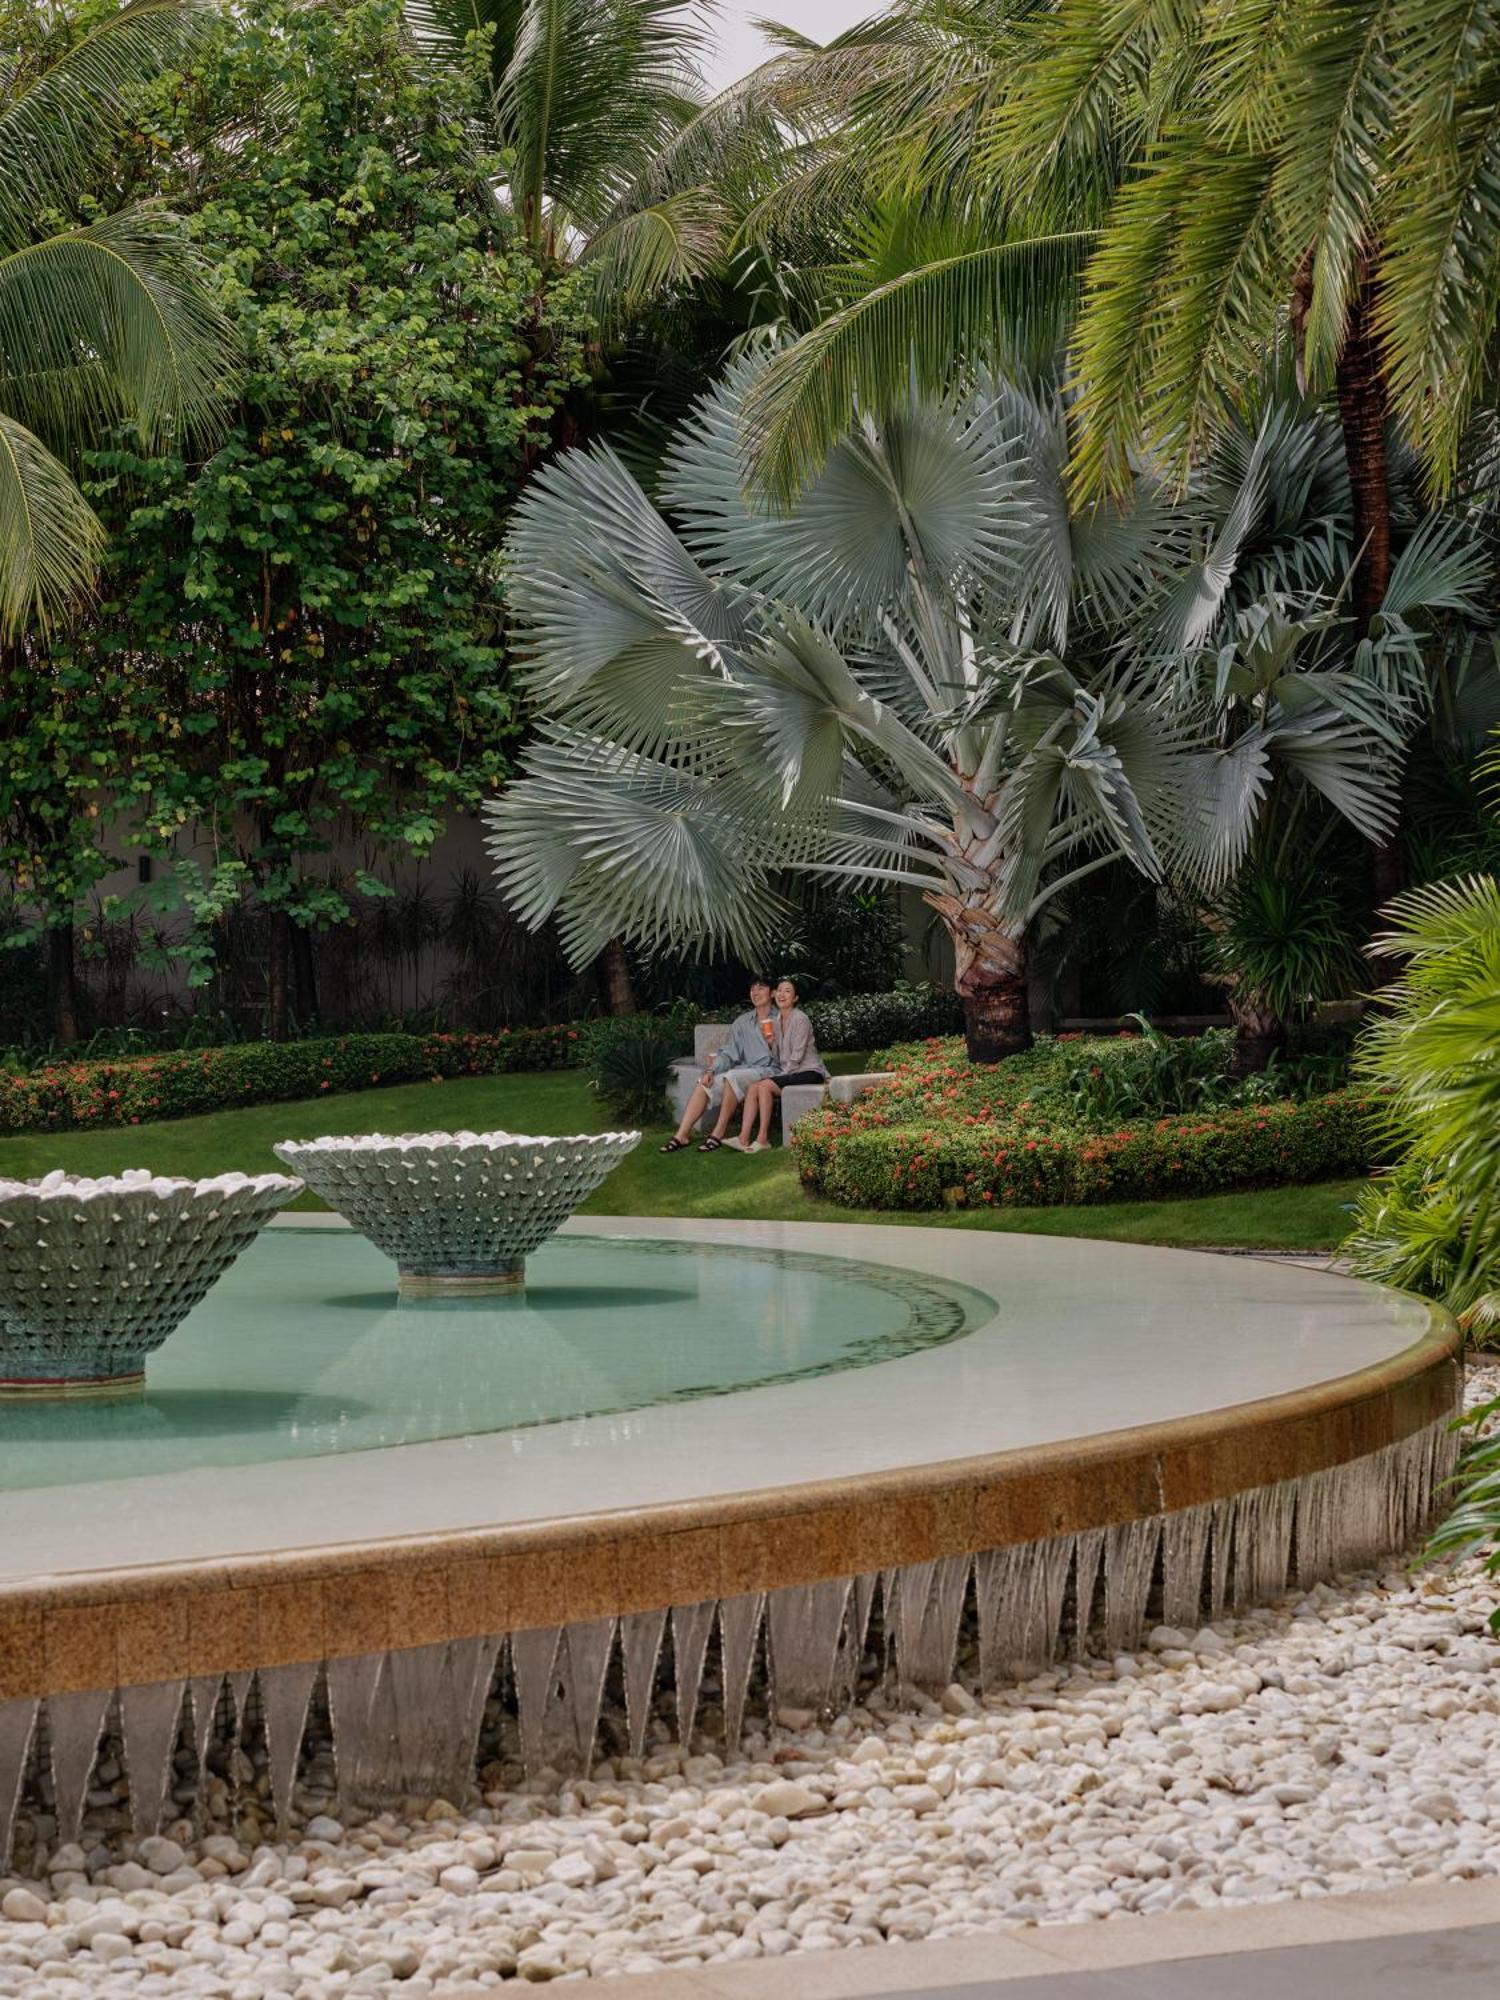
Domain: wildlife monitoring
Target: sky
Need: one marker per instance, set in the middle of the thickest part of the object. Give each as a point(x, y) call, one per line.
point(741, 46)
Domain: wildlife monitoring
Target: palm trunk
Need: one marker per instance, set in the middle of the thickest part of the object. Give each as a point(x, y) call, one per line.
point(619, 990)
point(62, 986)
point(989, 958)
point(1363, 412)
point(1259, 1034)
point(1364, 409)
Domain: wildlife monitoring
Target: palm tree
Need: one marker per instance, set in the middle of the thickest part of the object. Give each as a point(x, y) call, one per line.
point(99, 319)
point(585, 97)
point(1220, 172)
point(929, 671)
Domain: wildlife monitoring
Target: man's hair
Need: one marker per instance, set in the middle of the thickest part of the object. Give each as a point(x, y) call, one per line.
point(761, 979)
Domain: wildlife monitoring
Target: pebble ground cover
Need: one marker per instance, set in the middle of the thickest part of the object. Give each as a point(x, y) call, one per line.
point(1347, 1739)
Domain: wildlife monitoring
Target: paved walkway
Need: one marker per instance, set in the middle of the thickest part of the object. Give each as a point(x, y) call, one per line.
point(1428, 1941)
point(1422, 1965)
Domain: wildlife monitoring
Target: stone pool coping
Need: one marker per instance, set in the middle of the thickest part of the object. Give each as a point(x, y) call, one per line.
point(68, 1630)
point(1234, 1937)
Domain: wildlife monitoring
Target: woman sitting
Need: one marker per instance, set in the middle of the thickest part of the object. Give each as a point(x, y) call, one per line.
point(795, 1059)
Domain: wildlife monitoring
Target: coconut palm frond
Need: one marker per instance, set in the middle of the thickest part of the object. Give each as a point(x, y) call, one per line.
point(59, 125)
point(1002, 303)
point(50, 537)
point(107, 320)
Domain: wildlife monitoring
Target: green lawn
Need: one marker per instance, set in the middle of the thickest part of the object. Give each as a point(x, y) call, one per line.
point(761, 1187)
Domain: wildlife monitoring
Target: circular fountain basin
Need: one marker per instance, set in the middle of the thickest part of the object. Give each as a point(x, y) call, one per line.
point(96, 1274)
point(733, 1428)
point(457, 1212)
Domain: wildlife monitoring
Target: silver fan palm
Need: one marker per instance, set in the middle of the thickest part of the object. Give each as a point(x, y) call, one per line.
point(929, 671)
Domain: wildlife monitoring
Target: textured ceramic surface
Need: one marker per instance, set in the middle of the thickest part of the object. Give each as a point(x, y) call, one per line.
point(456, 1211)
point(94, 1274)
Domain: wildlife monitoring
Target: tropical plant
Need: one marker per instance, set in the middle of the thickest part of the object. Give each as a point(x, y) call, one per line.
point(630, 1064)
point(1218, 174)
point(1284, 942)
point(928, 671)
point(1433, 1224)
point(1434, 1053)
point(584, 97)
point(102, 309)
point(1146, 1074)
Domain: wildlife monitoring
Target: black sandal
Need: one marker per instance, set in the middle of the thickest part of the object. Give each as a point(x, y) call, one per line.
point(710, 1145)
point(673, 1146)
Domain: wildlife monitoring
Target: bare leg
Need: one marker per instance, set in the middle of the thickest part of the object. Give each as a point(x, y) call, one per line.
point(697, 1104)
point(768, 1094)
point(728, 1105)
point(747, 1123)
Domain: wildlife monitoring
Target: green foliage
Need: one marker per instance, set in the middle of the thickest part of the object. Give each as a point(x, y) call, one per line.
point(102, 308)
point(138, 1090)
point(630, 1064)
point(1287, 941)
point(947, 1133)
point(203, 1071)
point(1148, 1074)
point(320, 599)
point(1434, 1050)
point(1473, 1526)
point(1208, 165)
point(869, 1020)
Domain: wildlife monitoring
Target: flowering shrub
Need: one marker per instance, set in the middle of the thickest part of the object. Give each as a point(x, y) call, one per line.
point(944, 1132)
point(136, 1089)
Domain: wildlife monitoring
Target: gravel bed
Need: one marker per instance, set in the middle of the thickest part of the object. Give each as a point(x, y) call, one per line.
point(1344, 1740)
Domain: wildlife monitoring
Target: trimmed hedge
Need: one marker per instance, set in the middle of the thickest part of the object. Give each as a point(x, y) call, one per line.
point(869, 1020)
point(177, 1083)
point(941, 1135)
point(134, 1090)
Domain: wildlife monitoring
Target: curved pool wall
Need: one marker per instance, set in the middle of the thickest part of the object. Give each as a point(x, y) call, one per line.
point(1134, 1435)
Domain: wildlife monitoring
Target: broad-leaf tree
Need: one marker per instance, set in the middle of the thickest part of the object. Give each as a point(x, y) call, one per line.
point(318, 605)
point(934, 670)
point(909, 678)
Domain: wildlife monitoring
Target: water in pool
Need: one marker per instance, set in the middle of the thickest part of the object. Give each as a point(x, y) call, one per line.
point(303, 1349)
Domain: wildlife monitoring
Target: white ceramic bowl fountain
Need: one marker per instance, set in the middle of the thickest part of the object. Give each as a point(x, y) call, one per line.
point(458, 1212)
point(94, 1274)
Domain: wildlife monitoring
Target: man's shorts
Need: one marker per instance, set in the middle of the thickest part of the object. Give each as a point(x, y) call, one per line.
point(738, 1080)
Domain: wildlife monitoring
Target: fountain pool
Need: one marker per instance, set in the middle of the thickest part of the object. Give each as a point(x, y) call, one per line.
point(305, 1349)
point(787, 1456)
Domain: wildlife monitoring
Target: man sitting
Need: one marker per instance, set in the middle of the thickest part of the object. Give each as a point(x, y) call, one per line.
point(744, 1059)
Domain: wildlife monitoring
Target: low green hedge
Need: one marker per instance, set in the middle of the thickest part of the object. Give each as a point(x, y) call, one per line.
point(176, 1083)
point(868, 1020)
point(945, 1134)
point(134, 1090)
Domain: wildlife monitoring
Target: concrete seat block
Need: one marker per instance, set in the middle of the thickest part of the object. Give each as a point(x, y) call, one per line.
point(844, 1089)
point(796, 1101)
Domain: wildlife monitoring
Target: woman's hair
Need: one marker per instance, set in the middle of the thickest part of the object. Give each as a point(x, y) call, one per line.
point(786, 979)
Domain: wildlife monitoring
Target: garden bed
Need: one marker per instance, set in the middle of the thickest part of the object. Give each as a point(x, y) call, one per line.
point(87, 1092)
point(1033, 1132)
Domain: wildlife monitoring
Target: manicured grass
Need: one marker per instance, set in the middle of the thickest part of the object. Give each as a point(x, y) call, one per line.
point(761, 1187)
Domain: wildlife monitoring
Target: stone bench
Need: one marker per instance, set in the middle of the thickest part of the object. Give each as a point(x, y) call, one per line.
point(796, 1101)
